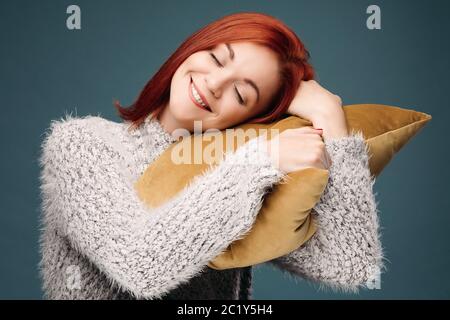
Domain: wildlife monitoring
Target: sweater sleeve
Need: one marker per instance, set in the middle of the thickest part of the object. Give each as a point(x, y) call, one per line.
point(345, 253)
point(144, 251)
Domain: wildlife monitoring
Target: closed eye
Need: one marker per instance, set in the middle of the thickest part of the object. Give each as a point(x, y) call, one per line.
point(216, 60)
point(238, 95)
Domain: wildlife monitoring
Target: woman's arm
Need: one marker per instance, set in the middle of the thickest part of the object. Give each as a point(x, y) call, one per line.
point(147, 252)
point(345, 252)
point(333, 124)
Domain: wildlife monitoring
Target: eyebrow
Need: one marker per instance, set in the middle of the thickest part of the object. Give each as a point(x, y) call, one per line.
point(248, 81)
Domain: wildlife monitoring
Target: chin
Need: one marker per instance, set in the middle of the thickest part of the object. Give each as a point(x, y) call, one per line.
point(185, 114)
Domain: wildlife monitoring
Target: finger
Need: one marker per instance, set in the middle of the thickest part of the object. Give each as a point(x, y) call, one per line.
point(308, 129)
point(304, 128)
point(328, 159)
point(324, 160)
point(308, 135)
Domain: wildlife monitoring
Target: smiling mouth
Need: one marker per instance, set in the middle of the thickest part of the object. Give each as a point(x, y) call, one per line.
point(196, 98)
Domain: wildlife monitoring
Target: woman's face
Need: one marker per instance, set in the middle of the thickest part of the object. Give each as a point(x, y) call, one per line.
point(236, 81)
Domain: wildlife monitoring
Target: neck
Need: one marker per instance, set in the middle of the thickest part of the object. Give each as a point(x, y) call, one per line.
point(168, 122)
point(171, 125)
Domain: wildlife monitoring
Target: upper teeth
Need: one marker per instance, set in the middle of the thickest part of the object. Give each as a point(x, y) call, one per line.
point(197, 97)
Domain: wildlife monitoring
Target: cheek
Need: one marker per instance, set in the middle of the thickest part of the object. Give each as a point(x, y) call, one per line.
point(177, 92)
point(228, 107)
point(195, 63)
point(233, 114)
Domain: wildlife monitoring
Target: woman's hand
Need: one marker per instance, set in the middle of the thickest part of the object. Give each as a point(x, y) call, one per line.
point(322, 108)
point(313, 101)
point(296, 149)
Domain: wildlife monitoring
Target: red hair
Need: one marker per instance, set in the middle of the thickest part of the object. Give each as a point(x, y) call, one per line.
point(252, 27)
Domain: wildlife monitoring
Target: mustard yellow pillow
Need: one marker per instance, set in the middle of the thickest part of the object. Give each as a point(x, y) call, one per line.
point(284, 222)
point(386, 129)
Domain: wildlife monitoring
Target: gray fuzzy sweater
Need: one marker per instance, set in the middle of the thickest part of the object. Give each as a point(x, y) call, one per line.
point(99, 241)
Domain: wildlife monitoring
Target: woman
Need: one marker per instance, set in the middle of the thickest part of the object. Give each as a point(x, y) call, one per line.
point(99, 241)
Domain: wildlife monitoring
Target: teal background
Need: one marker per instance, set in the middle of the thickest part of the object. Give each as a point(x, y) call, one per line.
point(47, 70)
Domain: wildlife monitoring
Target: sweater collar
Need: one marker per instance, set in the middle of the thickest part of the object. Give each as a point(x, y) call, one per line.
point(154, 128)
point(152, 135)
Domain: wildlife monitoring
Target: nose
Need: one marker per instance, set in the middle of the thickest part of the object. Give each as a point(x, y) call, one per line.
point(216, 82)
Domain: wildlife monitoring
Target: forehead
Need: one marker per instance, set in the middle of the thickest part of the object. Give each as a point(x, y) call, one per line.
point(255, 62)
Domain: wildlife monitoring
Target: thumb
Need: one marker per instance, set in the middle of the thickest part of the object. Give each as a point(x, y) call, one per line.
point(308, 129)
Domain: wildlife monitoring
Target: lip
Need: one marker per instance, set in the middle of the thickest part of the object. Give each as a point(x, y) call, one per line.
point(200, 94)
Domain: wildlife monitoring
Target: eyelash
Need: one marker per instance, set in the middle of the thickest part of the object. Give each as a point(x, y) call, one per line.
point(238, 95)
